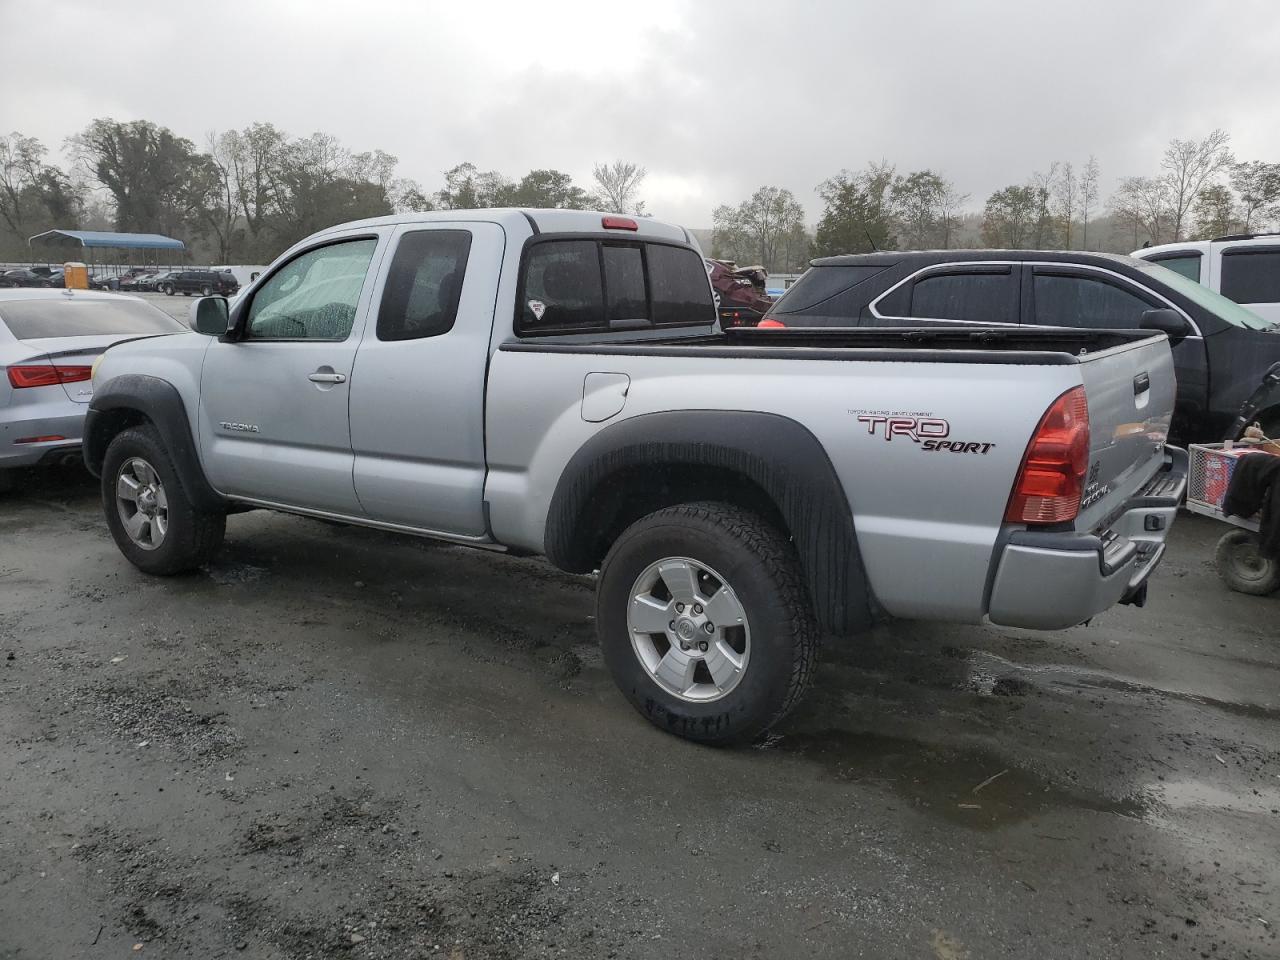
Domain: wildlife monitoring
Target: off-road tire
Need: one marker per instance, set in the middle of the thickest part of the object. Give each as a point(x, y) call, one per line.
point(762, 567)
point(193, 535)
point(1259, 577)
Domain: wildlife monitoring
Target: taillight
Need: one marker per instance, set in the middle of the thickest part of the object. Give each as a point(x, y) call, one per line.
point(1051, 479)
point(46, 375)
point(770, 323)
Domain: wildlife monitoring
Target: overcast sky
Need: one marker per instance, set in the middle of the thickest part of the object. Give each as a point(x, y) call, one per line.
point(714, 98)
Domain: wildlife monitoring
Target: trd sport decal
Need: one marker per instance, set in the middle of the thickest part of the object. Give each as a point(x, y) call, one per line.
point(931, 433)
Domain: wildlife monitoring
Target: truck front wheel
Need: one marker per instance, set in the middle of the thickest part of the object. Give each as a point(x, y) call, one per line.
point(153, 521)
point(705, 623)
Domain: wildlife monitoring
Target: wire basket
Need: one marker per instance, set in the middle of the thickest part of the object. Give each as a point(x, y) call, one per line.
point(1212, 467)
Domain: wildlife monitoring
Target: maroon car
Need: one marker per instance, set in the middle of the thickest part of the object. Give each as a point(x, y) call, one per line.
point(740, 291)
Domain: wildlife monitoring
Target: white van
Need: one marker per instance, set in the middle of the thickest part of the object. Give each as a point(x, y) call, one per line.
point(1244, 268)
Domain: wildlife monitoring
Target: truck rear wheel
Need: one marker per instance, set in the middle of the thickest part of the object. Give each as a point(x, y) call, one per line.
point(153, 521)
point(1243, 567)
point(705, 623)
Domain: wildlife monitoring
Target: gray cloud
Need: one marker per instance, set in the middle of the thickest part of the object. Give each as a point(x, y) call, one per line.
point(714, 98)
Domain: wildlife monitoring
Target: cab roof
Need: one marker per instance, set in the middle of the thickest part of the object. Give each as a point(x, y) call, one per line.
point(540, 221)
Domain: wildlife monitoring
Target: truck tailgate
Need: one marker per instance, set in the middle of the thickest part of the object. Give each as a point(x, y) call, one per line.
point(1130, 391)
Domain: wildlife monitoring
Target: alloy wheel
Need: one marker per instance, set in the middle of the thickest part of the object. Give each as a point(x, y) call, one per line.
point(142, 503)
point(689, 629)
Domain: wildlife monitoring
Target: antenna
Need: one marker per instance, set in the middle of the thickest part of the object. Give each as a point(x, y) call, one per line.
point(871, 240)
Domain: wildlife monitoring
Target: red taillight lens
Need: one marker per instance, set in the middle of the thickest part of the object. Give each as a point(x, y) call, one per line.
point(1051, 479)
point(770, 323)
point(46, 375)
point(619, 223)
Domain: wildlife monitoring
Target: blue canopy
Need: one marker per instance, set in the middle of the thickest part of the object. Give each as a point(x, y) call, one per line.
point(102, 238)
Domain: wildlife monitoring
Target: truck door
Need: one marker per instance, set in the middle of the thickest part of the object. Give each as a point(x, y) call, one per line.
point(417, 395)
point(273, 405)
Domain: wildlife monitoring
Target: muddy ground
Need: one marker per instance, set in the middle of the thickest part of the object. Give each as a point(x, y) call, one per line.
point(339, 743)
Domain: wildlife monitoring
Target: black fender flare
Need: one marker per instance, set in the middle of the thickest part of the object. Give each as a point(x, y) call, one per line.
point(777, 454)
point(126, 399)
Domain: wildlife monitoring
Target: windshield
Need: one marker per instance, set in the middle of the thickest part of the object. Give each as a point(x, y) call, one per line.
point(1202, 296)
point(82, 317)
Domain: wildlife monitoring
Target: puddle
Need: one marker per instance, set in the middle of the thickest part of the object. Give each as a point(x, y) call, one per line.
point(962, 786)
point(1251, 711)
point(990, 671)
point(1191, 795)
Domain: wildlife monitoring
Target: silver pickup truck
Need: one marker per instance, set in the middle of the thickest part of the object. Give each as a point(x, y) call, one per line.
point(553, 382)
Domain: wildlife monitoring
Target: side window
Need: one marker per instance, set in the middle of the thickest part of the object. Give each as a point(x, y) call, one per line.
point(1249, 277)
point(678, 285)
point(624, 281)
point(562, 288)
point(314, 295)
point(981, 297)
point(1187, 264)
point(1072, 301)
point(420, 298)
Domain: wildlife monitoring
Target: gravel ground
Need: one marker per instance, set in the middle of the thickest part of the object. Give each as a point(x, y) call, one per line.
point(333, 742)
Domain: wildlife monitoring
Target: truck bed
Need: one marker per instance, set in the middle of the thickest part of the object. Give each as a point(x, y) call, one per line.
point(1005, 345)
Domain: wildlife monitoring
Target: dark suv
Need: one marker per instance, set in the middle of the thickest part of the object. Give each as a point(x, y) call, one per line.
point(1220, 350)
point(204, 282)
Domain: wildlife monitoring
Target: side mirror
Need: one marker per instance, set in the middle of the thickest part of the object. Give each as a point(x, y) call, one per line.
point(210, 316)
point(1167, 321)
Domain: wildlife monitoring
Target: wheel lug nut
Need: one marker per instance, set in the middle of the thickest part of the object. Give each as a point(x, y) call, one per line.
point(702, 645)
point(683, 645)
point(709, 627)
point(672, 624)
point(679, 608)
point(697, 609)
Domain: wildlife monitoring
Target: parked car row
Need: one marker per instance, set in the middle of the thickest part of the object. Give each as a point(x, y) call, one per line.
point(135, 280)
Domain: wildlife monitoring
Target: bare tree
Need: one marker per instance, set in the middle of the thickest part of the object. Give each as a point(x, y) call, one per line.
point(950, 212)
point(619, 182)
point(1043, 226)
point(1259, 187)
point(1067, 197)
point(1088, 197)
point(1190, 165)
point(1144, 203)
point(221, 207)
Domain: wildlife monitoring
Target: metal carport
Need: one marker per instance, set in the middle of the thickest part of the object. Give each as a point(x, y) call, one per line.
point(90, 241)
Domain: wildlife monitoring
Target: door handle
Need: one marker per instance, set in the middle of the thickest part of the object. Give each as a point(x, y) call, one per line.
point(319, 377)
point(1141, 384)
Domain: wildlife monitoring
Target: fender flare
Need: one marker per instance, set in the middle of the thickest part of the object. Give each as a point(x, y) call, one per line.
point(778, 455)
point(122, 400)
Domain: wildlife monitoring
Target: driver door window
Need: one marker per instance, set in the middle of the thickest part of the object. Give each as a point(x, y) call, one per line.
point(313, 296)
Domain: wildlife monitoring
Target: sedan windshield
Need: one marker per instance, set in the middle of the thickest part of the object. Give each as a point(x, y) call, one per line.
point(1202, 296)
point(85, 317)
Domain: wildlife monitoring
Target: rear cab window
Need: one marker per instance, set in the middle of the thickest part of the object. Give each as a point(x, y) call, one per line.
point(593, 285)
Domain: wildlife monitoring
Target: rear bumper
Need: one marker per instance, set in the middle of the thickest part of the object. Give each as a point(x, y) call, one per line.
point(1047, 581)
point(67, 422)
